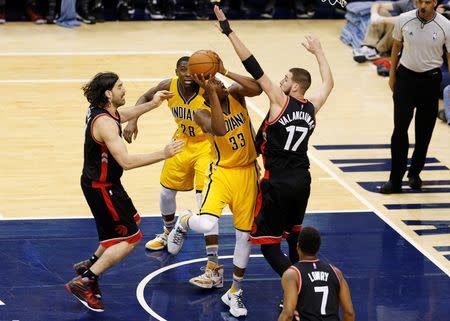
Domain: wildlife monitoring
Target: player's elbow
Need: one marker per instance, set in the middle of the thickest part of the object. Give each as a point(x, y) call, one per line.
point(126, 164)
point(287, 314)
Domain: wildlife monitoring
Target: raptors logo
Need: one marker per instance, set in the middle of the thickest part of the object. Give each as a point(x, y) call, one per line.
point(121, 230)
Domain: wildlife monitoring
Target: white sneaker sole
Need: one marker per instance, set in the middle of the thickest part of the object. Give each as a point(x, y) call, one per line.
point(207, 286)
point(233, 312)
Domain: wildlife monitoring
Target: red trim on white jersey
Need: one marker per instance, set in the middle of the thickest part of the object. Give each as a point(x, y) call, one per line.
point(281, 112)
point(299, 277)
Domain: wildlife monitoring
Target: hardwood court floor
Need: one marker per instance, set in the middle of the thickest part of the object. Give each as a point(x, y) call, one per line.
point(42, 107)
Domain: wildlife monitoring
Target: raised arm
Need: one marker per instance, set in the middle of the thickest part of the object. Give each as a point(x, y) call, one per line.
point(134, 112)
point(289, 282)
point(313, 45)
point(244, 86)
point(105, 130)
point(272, 90)
point(131, 130)
point(211, 122)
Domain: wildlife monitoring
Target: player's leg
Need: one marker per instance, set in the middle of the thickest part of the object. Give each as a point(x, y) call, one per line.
point(177, 175)
point(269, 225)
point(216, 195)
point(118, 234)
point(244, 185)
point(296, 201)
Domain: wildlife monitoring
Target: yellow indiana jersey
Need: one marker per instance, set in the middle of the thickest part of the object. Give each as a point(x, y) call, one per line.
point(237, 147)
point(183, 110)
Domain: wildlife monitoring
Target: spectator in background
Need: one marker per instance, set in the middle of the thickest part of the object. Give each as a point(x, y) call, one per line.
point(92, 11)
point(303, 9)
point(31, 11)
point(161, 9)
point(378, 38)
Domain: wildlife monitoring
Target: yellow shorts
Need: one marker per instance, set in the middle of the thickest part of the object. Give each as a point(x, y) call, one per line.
point(235, 187)
point(179, 171)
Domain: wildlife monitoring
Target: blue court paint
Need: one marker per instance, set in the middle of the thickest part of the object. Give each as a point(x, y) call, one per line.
point(355, 146)
point(416, 206)
point(438, 226)
point(379, 164)
point(389, 278)
point(442, 248)
point(375, 187)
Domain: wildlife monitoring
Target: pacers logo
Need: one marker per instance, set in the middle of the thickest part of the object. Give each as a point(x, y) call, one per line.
point(121, 230)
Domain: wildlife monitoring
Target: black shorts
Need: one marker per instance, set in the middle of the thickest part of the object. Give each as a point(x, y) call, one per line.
point(114, 212)
point(281, 205)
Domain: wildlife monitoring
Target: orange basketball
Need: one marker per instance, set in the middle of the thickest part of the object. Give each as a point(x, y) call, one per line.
point(203, 62)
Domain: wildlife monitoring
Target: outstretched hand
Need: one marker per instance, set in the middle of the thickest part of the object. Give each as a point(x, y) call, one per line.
point(224, 25)
point(173, 148)
point(162, 95)
point(312, 44)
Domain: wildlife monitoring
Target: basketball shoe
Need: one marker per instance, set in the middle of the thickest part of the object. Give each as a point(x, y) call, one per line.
point(176, 237)
point(159, 242)
point(81, 288)
point(212, 278)
point(235, 302)
point(82, 267)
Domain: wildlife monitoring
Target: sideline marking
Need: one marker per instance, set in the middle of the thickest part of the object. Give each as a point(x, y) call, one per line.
point(95, 53)
point(70, 81)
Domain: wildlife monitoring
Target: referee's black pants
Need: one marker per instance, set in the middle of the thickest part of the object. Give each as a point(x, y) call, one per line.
point(420, 91)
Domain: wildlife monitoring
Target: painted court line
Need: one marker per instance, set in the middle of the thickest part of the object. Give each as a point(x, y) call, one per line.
point(141, 286)
point(94, 53)
point(58, 81)
point(1, 303)
point(363, 200)
point(89, 216)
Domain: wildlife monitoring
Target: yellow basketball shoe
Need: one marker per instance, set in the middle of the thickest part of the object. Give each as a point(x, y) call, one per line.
point(159, 242)
point(212, 278)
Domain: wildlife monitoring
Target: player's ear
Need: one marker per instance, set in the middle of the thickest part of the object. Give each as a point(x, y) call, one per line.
point(108, 94)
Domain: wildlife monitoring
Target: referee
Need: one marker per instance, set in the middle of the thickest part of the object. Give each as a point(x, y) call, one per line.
point(422, 34)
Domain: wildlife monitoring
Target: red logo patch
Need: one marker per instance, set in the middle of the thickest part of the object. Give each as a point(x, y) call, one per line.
point(121, 230)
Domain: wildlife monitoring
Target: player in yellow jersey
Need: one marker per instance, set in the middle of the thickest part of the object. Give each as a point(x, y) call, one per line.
point(179, 172)
point(233, 177)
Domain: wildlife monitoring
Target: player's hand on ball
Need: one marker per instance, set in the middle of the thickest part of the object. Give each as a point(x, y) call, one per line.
point(200, 79)
point(162, 95)
point(212, 85)
point(173, 148)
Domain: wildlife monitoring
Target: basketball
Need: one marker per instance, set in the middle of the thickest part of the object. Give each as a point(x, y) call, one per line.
point(203, 62)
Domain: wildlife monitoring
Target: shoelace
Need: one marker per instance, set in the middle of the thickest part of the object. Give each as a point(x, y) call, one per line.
point(178, 237)
point(239, 300)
